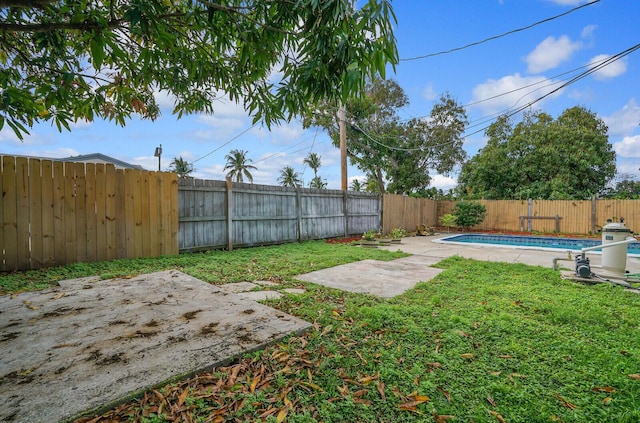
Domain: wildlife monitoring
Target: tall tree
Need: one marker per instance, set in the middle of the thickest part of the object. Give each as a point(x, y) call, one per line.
point(397, 154)
point(238, 165)
point(289, 177)
point(182, 167)
point(69, 60)
point(566, 158)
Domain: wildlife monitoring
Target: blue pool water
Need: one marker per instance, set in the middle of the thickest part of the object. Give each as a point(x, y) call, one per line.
point(537, 242)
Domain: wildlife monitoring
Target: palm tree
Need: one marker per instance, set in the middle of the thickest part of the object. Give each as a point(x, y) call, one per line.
point(238, 165)
point(317, 182)
point(313, 161)
point(181, 166)
point(289, 177)
point(356, 185)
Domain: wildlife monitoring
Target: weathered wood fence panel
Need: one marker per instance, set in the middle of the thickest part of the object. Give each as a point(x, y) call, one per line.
point(220, 214)
point(579, 217)
point(55, 213)
point(407, 212)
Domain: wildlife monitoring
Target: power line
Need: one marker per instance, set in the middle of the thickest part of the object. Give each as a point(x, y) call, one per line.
point(286, 149)
point(591, 69)
point(499, 36)
point(226, 143)
point(580, 76)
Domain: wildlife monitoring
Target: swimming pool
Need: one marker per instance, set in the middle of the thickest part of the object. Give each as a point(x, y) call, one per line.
point(532, 242)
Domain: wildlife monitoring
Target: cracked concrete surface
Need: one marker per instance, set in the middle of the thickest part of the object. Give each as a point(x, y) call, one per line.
point(91, 343)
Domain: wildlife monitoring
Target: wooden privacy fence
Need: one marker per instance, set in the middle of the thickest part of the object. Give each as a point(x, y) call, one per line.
point(579, 217)
point(407, 212)
point(221, 214)
point(56, 213)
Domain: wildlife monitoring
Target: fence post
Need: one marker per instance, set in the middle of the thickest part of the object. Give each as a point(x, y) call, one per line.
point(345, 211)
point(594, 218)
point(529, 213)
point(299, 213)
point(229, 214)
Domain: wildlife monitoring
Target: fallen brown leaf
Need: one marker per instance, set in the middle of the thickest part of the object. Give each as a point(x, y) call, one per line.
point(607, 389)
point(565, 402)
point(607, 400)
point(446, 394)
point(635, 376)
point(441, 418)
point(381, 390)
point(183, 397)
point(467, 356)
point(281, 415)
point(498, 416)
point(506, 356)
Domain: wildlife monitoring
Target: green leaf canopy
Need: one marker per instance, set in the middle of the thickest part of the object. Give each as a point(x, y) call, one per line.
point(566, 158)
point(64, 61)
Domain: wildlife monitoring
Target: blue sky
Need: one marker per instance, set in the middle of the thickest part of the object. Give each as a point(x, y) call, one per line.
point(539, 57)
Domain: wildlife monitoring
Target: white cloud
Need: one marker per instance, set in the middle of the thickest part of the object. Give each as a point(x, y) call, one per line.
point(510, 91)
point(624, 121)
point(628, 148)
point(610, 70)
point(550, 53)
point(443, 182)
point(8, 137)
point(223, 124)
point(628, 168)
point(164, 99)
point(588, 31)
point(429, 93)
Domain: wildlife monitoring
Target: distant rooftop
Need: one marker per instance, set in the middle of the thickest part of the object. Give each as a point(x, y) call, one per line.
point(101, 158)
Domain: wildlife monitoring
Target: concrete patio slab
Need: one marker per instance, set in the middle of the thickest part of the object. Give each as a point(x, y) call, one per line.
point(238, 287)
point(261, 295)
point(384, 279)
point(92, 343)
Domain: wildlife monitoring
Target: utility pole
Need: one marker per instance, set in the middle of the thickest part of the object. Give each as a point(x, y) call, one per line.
point(158, 154)
point(342, 122)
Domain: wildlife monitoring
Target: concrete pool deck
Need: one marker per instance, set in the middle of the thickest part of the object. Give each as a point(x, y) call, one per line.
point(424, 246)
point(387, 279)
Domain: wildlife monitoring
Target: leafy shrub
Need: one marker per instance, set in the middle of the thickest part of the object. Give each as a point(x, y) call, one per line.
point(448, 220)
point(468, 213)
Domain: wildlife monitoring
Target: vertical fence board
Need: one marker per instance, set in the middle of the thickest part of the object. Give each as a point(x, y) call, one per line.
point(35, 214)
point(22, 200)
point(121, 216)
point(81, 212)
point(160, 189)
point(90, 207)
point(110, 212)
point(10, 213)
point(136, 199)
point(170, 211)
point(101, 213)
point(146, 214)
point(59, 231)
point(154, 211)
point(129, 213)
point(48, 231)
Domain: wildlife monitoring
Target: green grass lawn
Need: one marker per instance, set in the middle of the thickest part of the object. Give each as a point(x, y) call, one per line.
point(482, 342)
